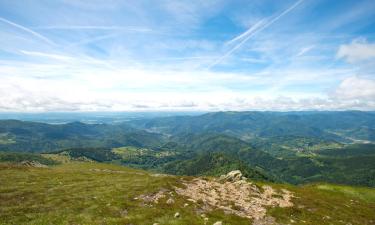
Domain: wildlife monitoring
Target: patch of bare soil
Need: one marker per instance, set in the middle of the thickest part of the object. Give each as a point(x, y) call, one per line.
point(154, 197)
point(241, 198)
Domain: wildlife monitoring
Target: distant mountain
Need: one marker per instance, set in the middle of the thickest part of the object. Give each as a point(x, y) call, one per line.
point(338, 126)
point(38, 137)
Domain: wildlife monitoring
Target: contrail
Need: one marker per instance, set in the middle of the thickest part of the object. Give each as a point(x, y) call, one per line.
point(36, 34)
point(251, 32)
point(246, 33)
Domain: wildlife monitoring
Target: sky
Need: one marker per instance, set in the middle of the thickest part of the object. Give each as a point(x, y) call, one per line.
point(186, 55)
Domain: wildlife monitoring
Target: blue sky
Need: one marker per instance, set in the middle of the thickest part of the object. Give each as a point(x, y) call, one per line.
point(72, 55)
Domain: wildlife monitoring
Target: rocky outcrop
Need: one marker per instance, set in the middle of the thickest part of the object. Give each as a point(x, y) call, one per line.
point(232, 176)
point(235, 195)
point(33, 164)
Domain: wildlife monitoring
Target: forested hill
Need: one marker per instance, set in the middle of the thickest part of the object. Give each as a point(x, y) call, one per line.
point(18, 135)
point(345, 126)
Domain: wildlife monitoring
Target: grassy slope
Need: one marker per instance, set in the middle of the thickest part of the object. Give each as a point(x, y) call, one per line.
point(73, 193)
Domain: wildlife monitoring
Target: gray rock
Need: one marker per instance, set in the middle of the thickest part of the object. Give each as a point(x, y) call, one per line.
point(33, 164)
point(170, 201)
point(233, 176)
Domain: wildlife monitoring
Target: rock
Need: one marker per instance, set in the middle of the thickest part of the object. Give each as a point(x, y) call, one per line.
point(191, 200)
point(170, 201)
point(33, 164)
point(155, 224)
point(218, 223)
point(176, 215)
point(233, 176)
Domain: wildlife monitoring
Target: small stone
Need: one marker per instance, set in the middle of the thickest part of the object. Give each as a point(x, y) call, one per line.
point(218, 223)
point(170, 201)
point(186, 204)
point(155, 224)
point(191, 200)
point(176, 215)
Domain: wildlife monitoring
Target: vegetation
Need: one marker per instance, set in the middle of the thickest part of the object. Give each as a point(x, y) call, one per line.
point(97, 193)
point(214, 164)
point(291, 147)
point(17, 157)
point(41, 137)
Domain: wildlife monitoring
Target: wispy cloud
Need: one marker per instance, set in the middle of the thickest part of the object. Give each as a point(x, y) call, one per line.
point(129, 55)
point(304, 50)
point(28, 30)
point(108, 28)
point(47, 55)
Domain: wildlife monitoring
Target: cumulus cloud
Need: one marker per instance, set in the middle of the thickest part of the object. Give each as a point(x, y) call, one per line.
point(358, 50)
point(354, 88)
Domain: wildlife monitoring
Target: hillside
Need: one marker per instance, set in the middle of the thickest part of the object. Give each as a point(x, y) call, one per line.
point(344, 126)
point(24, 136)
point(96, 193)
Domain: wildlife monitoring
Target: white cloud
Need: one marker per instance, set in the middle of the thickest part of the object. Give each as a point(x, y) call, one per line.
point(357, 51)
point(354, 88)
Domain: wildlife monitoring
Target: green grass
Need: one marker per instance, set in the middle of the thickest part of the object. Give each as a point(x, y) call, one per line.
point(74, 194)
point(363, 193)
point(98, 193)
point(328, 204)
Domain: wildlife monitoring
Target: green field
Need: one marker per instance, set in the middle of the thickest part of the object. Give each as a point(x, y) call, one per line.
point(98, 193)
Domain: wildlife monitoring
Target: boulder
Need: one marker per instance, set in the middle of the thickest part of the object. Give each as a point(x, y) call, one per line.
point(233, 176)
